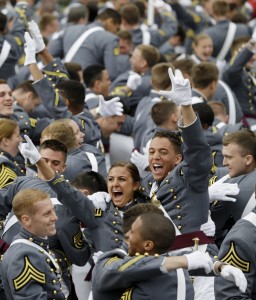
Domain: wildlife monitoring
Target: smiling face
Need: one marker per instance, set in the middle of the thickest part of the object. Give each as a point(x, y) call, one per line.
point(162, 157)
point(6, 100)
point(204, 49)
point(121, 186)
point(42, 221)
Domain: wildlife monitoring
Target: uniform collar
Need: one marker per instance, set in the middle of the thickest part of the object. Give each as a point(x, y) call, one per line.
point(44, 243)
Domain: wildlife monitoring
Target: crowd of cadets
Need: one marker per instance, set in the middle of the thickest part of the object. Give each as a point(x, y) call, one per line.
point(72, 74)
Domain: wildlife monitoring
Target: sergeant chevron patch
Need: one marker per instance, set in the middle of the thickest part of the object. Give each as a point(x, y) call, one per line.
point(127, 295)
point(6, 176)
point(235, 260)
point(28, 273)
point(78, 240)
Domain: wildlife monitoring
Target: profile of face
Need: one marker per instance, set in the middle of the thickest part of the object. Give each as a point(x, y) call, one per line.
point(137, 61)
point(104, 84)
point(134, 240)
point(14, 141)
point(6, 100)
point(121, 186)
point(78, 133)
point(235, 161)
point(125, 46)
point(54, 159)
point(25, 100)
point(204, 49)
point(42, 221)
point(162, 157)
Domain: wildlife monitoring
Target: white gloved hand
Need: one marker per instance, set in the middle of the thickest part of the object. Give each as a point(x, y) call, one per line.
point(181, 90)
point(235, 275)
point(110, 108)
point(197, 260)
point(100, 200)
point(37, 36)
point(254, 36)
point(140, 160)
point(134, 80)
point(96, 256)
point(208, 228)
point(30, 50)
point(29, 151)
point(222, 190)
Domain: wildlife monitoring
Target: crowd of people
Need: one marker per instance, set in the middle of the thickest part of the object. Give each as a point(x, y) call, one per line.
point(127, 149)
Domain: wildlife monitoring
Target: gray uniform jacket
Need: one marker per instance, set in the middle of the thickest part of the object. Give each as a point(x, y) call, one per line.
point(101, 47)
point(143, 89)
point(218, 34)
point(58, 109)
point(105, 227)
point(184, 192)
point(78, 161)
point(68, 239)
point(15, 39)
point(28, 273)
point(240, 79)
point(117, 276)
point(238, 249)
point(157, 36)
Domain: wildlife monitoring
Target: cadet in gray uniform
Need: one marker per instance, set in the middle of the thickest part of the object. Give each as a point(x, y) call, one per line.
point(141, 34)
point(220, 31)
point(68, 240)
point(98, 43)
point(238, 250)
point(239, 158)
point(240, 77)
point(28, 269)
point(12, 43)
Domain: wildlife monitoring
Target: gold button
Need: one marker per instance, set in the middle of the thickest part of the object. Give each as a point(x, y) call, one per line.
point(171, 190)
point(26, 123)
point(174, 197)
point(178, 206)
point(116, 214)
point(30, 239)
point(116, 240)
point(53, 85)
point(22, 117)
point(48, 260)
point(179, 217)
point(137, 254)
point(54, 292)
point(54, 281)
point(114, 222)
point(116, 231)
point(25, 131)
point(143, 189)
point(150, 183)
point(60, 260)
point(52, 270)
point(179, 227)
point(56, 259)
point(55, 65)
point(146, 254)
point(166, 180)
point(41, 244)
point(156, 255)
point(215, 256)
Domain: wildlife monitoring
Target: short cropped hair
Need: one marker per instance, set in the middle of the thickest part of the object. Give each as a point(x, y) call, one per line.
point(24, 201)
point(173, 138)
point(204, 74)
point(55, 145)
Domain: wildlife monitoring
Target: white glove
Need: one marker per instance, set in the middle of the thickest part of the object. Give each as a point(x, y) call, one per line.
point(208, 228)
point(197, 260)
point(222, 190)
point(134, 80)
point(100, 200)
point(181, 90)
point(96, 256)
point(29, 151)
point(30, 50)
point(110, 108)
point(37, 36)
point(236, 275)
point(140, 160)
point(254, 36)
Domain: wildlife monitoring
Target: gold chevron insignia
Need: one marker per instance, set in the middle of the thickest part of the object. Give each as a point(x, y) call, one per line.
point(33, 122)
point(111, 260)
point(78, 240)
point(127, 295)
point(28, 273)
point(212, 180)
point(6, 176)
point(58, 180)
point(235, 260)
point(130, 262)
point(98, 212)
